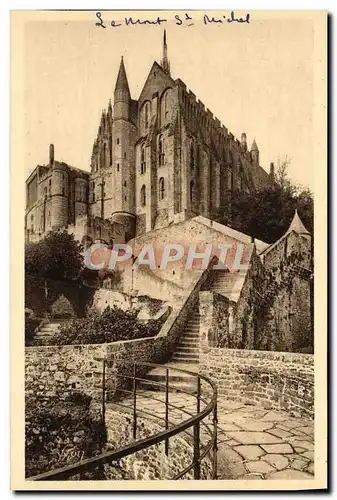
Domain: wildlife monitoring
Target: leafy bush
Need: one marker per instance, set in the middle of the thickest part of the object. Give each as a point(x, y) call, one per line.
point(62, 308)
point(60, 433)
point(110, 326)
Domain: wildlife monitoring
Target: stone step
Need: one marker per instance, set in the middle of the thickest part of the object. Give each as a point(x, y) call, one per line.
point(174, 386)
point(187, 349)
point(186, 359)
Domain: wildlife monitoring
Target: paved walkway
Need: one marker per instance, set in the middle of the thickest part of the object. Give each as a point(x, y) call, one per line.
point(253, 443)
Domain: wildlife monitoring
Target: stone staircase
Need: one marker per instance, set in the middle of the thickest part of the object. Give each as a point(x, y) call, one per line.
point(227, 284)
point(185, 357)
point(48, 329)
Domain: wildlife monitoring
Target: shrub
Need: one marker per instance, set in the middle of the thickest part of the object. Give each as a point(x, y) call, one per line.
point(60, 433)
point(110, 326)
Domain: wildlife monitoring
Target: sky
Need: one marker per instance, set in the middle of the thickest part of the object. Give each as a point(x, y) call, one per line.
point(256, 78)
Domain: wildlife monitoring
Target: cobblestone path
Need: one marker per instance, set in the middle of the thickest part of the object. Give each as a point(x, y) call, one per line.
point(253, 443)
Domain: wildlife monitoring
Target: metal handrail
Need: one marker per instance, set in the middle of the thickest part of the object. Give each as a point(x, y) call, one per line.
point(194, 421)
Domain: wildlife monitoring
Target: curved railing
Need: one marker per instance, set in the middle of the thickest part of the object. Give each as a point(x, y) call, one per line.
point(196, 420)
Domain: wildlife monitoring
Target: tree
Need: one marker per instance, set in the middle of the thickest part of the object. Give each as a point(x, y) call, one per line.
point(267, 213)
point(58, 256)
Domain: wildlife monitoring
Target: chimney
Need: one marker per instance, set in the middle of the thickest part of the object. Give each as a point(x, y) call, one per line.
point(272, 171)
point(51, 154)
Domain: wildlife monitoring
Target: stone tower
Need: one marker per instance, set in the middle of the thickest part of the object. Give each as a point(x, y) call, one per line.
point(124, 134)
point(255, 153)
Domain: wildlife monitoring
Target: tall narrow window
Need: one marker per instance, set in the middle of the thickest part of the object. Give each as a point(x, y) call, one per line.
point(165, 105)
point(142, 160)
point(192, 158)
point(192, 191)
point(161, 151)
point(143, 196)
point(93, 192)
point(117, 140)
point(161, 188)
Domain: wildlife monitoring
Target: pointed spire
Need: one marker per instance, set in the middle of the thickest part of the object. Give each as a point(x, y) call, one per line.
point(297, 225)
point(122, 81)
point(165, 63)
point(254, 146)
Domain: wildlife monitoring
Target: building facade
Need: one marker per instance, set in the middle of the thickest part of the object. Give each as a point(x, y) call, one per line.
point(158, 160)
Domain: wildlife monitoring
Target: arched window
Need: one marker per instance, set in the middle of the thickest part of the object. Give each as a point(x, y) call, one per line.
point(143, 196)
point(161, 151)
point(142, 160)
point(165, 106)
point(161, 188)
point(192, 191)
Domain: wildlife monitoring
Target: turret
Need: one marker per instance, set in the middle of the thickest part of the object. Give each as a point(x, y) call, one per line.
point(123, 154)
point(255, 153)
point(122, 97)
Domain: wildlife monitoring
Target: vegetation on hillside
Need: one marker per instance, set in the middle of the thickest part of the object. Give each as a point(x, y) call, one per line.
point(111, 326)
point(267, 213)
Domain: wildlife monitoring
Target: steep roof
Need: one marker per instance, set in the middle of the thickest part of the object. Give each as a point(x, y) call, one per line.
point(296, 226)
point(122, 80)
point(254, 146)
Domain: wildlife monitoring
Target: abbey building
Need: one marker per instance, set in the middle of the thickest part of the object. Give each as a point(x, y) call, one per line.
point(157, 160)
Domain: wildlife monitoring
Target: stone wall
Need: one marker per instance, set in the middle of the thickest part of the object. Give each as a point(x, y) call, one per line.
point(275, 380)
point(60, 370)
point(150, 463)
point(215, 320)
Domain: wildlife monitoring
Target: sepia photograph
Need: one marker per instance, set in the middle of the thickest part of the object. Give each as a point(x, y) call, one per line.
point(169, 192)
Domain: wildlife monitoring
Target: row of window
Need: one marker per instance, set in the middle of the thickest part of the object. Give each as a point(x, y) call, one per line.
point(161, 155)
point(161, 192)
point(145, 113)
